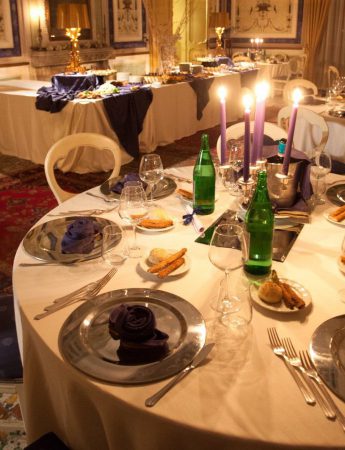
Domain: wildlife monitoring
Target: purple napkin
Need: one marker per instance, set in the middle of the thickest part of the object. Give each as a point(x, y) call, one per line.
point(140, 341)
point(117, 187)
point(80, 236)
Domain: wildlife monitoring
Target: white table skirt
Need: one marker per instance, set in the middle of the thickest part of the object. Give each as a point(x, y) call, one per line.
point(29, 133)
point(244, 398)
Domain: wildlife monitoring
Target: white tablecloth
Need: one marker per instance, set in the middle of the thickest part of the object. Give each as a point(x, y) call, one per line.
point(29, 133)
point(244, 398)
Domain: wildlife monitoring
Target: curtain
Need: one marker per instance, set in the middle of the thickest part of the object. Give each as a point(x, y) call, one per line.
point(315, 14)
point(332, 48)
point(160, 19)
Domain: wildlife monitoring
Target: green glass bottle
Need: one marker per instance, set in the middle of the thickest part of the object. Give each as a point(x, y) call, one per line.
point(259, 223)
point(204, 180)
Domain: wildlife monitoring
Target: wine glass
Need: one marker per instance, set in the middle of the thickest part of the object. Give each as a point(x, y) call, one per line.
point(132, 208)
point(321, 165)
point(151, 171)
point(227, 252)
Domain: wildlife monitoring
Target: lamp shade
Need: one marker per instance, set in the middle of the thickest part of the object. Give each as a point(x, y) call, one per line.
point(72, 15)
point(219, 19)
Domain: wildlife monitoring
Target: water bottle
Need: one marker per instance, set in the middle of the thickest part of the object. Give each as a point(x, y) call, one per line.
point(259, 224)
point(204, 180)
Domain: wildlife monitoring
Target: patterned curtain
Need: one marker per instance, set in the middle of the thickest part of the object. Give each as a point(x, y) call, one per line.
point(315, 14)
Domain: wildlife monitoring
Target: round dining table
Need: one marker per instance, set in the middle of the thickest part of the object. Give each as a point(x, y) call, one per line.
point(241, 397)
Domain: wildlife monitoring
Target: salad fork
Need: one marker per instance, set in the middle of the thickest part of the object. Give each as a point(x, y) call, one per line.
point(296, 362)
point(108, 200)
point(279, 350)
point(84, 212)
point(311, 372)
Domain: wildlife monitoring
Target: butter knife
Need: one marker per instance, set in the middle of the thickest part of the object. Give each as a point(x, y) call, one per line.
point(200, 357)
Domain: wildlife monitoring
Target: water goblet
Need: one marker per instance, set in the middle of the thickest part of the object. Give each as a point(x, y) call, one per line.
point(114, 245)
point(151, 171)
point(321, 165)
point(227, 252)
point(132, 208)
point(236, 165)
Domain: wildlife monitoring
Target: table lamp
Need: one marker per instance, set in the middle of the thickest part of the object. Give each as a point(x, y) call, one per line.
point(73, 17)
point(219, 21)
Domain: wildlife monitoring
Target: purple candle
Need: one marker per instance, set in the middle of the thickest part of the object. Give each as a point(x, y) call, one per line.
point(247, 101)
point(297, 95)
point(222, 95)
point(259, 122)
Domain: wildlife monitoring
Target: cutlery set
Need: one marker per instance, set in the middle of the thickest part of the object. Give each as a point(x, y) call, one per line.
point(302, 369)
point(84, 212)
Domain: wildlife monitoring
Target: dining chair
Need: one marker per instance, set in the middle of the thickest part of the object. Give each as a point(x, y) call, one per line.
point(307, 87)
point(236, 131)
point(332, 75)
point(297, 64)
point(59, 151)
point(279, 81)
point(312, 118)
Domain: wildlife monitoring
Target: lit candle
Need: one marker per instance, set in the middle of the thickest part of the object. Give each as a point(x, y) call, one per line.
point(296, 96)
point(261, 91)
point(222, 95)
point(252, 42)
point(247, 102)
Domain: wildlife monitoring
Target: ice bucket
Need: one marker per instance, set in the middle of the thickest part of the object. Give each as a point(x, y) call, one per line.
point(282, 191)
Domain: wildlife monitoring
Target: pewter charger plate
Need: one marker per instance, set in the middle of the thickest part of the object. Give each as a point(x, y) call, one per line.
point(336, 194)
point(44, 241)
point(162, 189)
point(327, 349)
point(86, 344)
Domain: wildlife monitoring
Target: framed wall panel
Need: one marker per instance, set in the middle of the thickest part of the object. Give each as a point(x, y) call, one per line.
point(9, 29)
point(127, 23)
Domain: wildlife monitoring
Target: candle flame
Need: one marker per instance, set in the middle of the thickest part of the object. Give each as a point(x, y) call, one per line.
point(247, 101)
point(36, 12)
point(262, 90)
point(297, 96)
point(222, 93)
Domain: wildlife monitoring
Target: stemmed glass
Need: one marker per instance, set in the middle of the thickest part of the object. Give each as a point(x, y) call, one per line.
point(321, 165)
point(151, 171)
point(236, 165)
point(132, 208)
point(227, 252)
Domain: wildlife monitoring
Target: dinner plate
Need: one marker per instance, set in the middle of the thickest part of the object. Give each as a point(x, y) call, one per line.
point(44, 241)
point(85, 342)
point(330, 219)
point(327, 350)
point(280, 307)
point(336, 194)
point(145, 264)
point(162, 189)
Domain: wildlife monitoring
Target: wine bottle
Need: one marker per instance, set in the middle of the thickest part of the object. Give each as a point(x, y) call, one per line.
point(204, 180)
point(259, 223)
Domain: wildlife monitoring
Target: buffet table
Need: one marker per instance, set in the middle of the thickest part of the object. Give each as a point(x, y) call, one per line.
point(242, 398)
point(172, 115)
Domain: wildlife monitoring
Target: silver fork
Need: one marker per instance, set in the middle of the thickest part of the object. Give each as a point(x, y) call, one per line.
point(108, 200)
point(84, 212)
point(279, 350)
point(311, 371)
point(297, 363)
point(86, 292)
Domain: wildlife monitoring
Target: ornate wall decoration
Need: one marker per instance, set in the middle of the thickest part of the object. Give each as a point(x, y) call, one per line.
point(127, 23)
point(276, 21)
point(9, 29)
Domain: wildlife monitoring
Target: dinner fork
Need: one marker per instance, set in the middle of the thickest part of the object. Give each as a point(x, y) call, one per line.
point(296, 362)
point(279, 350)
point(84, 212)
point(85, 292)
point(108, 200)
point(311, 372)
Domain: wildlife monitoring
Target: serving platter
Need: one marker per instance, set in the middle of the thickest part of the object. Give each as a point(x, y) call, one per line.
point(44, 241)
point(162, 189)
point(327, 350)
point(85, 342)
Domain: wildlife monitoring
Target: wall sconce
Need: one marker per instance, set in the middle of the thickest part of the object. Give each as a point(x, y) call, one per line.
point(73, 17)
point(219, 21)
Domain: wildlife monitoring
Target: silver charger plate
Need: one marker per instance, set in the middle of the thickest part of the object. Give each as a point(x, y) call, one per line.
point(327, 349)
point(85, 342)
point(336, 194)
point(162, 189)
point(44, 241)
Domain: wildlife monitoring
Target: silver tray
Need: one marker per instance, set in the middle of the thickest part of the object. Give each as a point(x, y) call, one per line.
point(336, 194)
point(327, 349)
point(85, 342)
point(162, 189)
point(44, 241)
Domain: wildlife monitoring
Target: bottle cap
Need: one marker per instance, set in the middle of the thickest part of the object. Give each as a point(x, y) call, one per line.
point(281, 147)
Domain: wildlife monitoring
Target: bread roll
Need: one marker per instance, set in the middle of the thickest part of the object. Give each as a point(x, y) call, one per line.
point(158, 254)
point(270, 292)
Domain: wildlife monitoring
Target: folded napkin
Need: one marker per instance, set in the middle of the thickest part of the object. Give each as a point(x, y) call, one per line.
point(119, 185)
point(140, 341)
point(191, 214)
point(80, 236)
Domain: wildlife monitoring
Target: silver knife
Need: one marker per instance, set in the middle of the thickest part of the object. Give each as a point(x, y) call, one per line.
point(200, 357)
